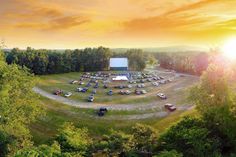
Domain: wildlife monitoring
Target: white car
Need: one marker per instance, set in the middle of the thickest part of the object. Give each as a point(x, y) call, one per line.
point(143, 91)
point(162, 96)
point(129, 86)
point(155, 84)
point(68, 94)
point(79, 89)
point(74, 82)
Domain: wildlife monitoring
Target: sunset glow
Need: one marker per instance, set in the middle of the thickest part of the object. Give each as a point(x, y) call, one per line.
point(229, 49)
point(112, 23)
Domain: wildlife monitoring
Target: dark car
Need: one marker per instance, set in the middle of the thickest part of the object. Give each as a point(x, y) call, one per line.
point(91, 98)
point(96, 86)
point(84, 90)
point(105, 86)
point(101, 112)
point(110, 92)
point(88, 85)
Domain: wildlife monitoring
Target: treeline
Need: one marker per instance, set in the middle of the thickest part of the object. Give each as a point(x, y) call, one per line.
point(43, 61)
point(186, 62)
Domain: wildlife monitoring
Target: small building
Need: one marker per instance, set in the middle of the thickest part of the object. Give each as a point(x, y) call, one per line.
point(118, 64)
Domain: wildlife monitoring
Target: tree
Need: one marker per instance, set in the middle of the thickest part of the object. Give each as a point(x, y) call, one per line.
point(19, 106)
point(42, 151)
point(190, 137)
point(216, 103)
point(172, 153)
point(74, 140)
point(116, 143)
point(144, 138)
point(136, 59)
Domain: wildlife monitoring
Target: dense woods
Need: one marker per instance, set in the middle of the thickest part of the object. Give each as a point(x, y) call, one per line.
point(186, 62)
point(89, 59)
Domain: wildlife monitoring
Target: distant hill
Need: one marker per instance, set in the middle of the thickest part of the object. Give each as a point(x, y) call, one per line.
point(180, 48)
point(166, 49)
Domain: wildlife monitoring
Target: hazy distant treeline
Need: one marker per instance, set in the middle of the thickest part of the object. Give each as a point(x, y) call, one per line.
point(44, 61)
point(192, 63)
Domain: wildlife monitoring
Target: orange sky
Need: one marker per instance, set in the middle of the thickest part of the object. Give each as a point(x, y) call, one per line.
point(116, 23)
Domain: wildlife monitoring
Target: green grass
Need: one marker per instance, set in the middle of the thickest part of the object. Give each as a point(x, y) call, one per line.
point(50, 83)
point(45, 128)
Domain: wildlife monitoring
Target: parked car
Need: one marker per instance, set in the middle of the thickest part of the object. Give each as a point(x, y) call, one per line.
point(142, 85)
point(88, 85)
point(110, 92)
point(143, 92)
point(122, 92)
point(155, 84)
point(68, 94)
point(138, 92)
point(94, 91)
point(170, 107)
point(96, 86)
point(81, 83)
point(121, 86)
point(162, 96)
point(142, 81)
point(101, 112)
point(91, 98)
point(84, 90)
point(79, 89)
point(74, 82)
point(105, 86)
point(127, 92)
point(58, 92)
point(129, 86)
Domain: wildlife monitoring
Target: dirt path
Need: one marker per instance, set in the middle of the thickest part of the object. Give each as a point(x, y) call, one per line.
point(127, 107)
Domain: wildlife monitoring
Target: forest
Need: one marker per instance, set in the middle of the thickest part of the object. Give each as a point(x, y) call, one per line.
point(41, 62)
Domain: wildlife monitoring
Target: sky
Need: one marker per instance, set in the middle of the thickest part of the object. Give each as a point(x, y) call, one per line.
point(62, 24)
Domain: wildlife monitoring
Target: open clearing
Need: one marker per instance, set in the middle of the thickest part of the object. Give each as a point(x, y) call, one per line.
point(176, 91)
point(123, 110)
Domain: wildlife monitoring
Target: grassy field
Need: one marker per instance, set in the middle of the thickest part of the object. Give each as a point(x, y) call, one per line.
point(45, 128)
point(175, 91)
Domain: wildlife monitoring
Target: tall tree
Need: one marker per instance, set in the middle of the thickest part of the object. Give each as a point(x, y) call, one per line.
point(216, 103)
point(19, 105)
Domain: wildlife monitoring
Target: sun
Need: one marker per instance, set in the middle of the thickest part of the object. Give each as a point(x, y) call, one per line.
point(229, 49)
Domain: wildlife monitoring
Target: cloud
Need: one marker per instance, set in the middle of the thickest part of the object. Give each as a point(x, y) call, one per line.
point(61, 23)
point(190, 6)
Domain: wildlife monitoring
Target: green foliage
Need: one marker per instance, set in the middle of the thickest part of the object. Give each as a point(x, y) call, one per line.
point(193, 63)
point(136, 59)
point(41, 151)
point(90, 59)
point(144, 138)
point(74, 140)
point(216, 103)
point(172, 153)
point(190, 137)
point(19, 105)
point(115, 144)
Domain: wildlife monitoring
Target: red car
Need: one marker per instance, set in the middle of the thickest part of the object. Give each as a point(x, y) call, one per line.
point(58, 92)
point(170, 107)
